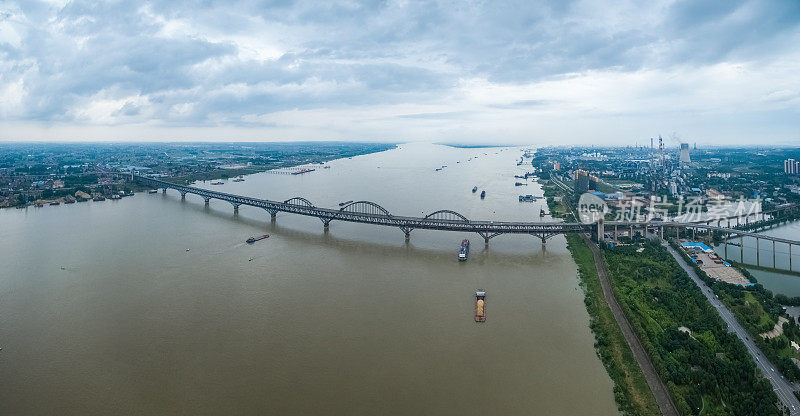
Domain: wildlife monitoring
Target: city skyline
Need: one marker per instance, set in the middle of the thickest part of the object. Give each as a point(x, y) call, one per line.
point(548, 73)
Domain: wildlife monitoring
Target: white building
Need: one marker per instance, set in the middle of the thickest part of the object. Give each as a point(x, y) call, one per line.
point(791, 166)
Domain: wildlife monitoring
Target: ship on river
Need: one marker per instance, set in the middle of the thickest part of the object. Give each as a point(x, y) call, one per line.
point(302, 171)
point(252, 240)
point(463, 252)
point(480, 307)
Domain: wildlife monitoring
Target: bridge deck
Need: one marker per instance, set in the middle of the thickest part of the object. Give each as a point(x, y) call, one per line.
point(371, 213)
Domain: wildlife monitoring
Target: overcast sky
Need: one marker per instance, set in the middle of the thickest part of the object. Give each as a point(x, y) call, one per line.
point(711, 72)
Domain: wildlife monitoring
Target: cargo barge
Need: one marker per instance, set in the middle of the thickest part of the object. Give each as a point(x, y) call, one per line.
point(480, 307)
point(252, 240)
point(483, 194)
point(302, 171)
point(463, 252)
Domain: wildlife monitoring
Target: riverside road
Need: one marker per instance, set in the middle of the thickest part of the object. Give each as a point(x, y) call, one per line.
point(780, 385)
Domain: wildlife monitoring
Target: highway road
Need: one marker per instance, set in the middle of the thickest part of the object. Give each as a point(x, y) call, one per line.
point(780, 385)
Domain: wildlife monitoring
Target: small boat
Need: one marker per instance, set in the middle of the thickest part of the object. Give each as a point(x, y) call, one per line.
point(252, 240)
point(541, 212)
point(218, 183)
point(239, 179)
point(55, 203)
point(474, 189)
point(483, 194)
point(152, 191)
point(480, 307)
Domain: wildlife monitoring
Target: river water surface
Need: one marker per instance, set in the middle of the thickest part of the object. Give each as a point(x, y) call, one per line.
point(104, 311)
point(774, 268)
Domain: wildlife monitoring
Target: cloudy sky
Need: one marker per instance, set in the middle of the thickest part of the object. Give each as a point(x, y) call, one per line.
point(711, 72)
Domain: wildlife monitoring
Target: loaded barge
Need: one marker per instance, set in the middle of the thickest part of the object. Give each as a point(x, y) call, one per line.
point(480, 307)
point(463, 252)
point(302, 171)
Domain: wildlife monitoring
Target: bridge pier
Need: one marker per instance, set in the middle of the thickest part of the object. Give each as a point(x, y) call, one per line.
point(207, 199)
point(407, 232)
point(725, 239)
point(741, 248)
point(183, 196)
point(163, 190)
point(236, 208)
point(600, 230)
point(326, 225)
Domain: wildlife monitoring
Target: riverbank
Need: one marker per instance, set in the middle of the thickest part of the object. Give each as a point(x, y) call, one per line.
point(62, 170)
point(631, 392)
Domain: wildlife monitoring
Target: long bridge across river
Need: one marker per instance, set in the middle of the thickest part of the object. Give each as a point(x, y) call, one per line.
point(368, 212)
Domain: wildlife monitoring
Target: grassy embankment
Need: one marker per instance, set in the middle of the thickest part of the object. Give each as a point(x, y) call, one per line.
point(707, 369)
point(631, 391)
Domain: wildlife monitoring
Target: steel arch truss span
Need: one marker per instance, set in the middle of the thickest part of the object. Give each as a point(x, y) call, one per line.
point(447, 215)
point(298, 200)
point(365, 207)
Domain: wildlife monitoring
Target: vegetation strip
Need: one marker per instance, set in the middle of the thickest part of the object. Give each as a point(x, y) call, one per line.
point(657, 387)
point(632, 394)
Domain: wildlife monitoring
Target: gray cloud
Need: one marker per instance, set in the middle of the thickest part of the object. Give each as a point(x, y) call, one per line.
point(191, 63)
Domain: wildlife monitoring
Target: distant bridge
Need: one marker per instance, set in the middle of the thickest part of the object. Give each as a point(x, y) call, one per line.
point(368, 212)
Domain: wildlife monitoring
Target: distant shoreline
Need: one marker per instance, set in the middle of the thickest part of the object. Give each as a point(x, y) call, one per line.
point(474, 146)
